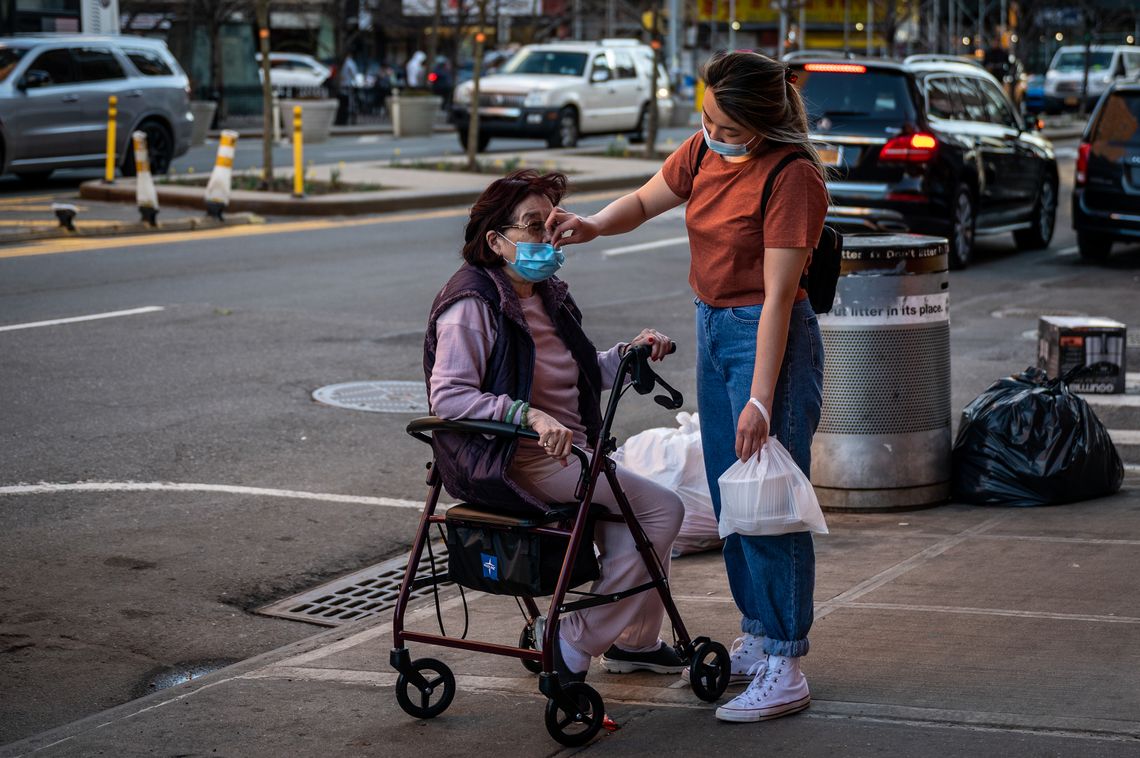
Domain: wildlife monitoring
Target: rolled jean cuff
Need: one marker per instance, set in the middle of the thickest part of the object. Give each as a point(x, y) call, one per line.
point(786, 648)
point(751, 626)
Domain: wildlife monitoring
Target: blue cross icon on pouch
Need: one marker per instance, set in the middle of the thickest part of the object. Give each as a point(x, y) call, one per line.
point(490, 566)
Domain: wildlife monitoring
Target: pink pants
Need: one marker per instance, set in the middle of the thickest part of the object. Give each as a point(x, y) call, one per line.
point(635, 622)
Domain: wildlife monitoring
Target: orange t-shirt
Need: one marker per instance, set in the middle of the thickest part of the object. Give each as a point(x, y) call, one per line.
point(727, 236)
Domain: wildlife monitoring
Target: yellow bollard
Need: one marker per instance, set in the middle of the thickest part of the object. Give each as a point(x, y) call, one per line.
point(112, 118)
point(298, 155)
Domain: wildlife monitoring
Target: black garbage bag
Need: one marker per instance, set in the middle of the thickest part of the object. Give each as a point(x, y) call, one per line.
point(1028, 440)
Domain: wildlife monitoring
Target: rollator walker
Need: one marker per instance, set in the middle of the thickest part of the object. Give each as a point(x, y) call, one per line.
point(483, 541)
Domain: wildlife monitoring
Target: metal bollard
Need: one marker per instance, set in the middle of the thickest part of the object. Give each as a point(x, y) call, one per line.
point(145, 193)
point(218, 188)
point(112, 119)
point(298, 154)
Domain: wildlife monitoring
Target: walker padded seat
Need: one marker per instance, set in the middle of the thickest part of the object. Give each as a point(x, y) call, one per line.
point(475, 513)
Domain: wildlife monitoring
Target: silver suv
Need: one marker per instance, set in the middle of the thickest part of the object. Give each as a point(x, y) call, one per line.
point(53, 102)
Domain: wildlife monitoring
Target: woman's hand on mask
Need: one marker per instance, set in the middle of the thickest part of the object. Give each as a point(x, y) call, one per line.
point(658, 343)
point(566, 228)
point(555, 438)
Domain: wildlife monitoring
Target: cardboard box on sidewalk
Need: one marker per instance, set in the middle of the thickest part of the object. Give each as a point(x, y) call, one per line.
point(1097, 344)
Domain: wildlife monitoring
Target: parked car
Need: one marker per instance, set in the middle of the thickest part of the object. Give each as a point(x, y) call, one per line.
point(1065, 78)
point(289, 72)
point(931, 146)
point(54, 93)
point(1106, 192)
point(562, 90)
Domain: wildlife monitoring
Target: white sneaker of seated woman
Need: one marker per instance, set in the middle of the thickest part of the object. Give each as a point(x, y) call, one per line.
point(747, 660)
point(780, 689)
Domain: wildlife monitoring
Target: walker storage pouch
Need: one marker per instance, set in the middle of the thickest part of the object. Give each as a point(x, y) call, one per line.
point(500, 554)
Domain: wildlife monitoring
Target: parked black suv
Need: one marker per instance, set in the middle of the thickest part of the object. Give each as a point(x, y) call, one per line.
point(1106, 194)
point(930, 145)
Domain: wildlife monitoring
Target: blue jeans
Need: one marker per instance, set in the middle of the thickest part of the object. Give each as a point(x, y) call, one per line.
point(772, 578)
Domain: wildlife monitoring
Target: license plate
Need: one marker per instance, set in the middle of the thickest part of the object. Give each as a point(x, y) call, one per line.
point(830, 154)
point(1071, 100)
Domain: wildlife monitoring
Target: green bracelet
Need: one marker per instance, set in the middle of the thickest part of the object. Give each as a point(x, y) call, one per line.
point(523, 416)
point(512, 411)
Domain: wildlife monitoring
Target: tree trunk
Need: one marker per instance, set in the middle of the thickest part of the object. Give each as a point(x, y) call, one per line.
point(266, 95)
point(651, 127)
point(473, 121)
point(433, 43)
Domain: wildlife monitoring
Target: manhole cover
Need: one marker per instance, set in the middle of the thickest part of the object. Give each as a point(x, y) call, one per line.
point(378, 397)
point(368, 592)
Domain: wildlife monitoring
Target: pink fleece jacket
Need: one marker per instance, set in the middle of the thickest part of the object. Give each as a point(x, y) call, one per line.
point(466, 332)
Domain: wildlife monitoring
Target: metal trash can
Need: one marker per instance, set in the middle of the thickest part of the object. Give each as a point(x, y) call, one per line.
point(883, 441)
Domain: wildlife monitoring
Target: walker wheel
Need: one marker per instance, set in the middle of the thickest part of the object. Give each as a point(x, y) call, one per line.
point(440, 685)
point(527, 642)
point(579, 727)
point(710, 671)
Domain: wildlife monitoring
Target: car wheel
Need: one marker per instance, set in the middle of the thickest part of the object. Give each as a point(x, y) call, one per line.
point(480, 146)
point(567, 134)
point(962, 239)
point(640, 134)
point(159, 147)
point(1039, 235)
point(34, 177)
point(1094, 247)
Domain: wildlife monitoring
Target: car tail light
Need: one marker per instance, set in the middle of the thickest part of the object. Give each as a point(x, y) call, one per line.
point(433, 77)
point(837, 68)
point(910, 148)
point(1083, 163)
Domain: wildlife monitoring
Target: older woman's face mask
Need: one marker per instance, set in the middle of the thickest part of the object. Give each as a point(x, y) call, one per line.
point(535, 261)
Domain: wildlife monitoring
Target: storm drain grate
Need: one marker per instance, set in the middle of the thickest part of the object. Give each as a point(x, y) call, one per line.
point(363, 594)
point(377, 397)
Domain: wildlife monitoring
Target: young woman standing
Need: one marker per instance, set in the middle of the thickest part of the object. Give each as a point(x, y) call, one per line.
point(759, 350)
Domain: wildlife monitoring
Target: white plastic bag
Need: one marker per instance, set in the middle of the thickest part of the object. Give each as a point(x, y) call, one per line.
point(673, 458)
point(768, 494)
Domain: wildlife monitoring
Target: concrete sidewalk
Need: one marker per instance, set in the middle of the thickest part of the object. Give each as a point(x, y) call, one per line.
point(953, 631)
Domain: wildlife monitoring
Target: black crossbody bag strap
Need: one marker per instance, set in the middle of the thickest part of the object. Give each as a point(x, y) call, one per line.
point(771, 180)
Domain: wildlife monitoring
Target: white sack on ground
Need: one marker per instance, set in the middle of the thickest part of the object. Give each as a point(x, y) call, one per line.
point(673, 458)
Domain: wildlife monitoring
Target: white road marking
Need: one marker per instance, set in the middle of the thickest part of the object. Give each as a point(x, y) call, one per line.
point(46, 488)
point(1065, 251)
point(645, 246)
point(77, 319)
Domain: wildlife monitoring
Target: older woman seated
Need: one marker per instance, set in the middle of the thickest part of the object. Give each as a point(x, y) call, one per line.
point(505, 342)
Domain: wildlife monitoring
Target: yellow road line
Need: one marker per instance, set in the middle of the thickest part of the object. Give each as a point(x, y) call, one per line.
point(26, 199)
point(82, 244)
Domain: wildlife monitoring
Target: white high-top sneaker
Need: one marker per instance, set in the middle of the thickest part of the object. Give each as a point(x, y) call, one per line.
point(778, 690)
point(747, 660)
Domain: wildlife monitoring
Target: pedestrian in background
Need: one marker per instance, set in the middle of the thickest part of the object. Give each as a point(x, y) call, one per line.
point(759, 348)
point(416, 76)
point(346, 90)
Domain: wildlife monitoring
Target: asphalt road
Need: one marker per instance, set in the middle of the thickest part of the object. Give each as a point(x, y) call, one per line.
point(105, 588)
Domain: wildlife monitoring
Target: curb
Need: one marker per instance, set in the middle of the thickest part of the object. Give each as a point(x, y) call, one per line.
point(346, 204)
point(337, 131)
point(134, 227)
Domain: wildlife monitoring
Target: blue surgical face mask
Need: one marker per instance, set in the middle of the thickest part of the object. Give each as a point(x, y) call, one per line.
point(726, 149)
point(535, 261)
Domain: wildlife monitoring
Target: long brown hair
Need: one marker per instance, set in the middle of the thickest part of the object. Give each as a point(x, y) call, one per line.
point(757, 92)
point(496, 206)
